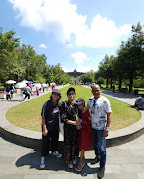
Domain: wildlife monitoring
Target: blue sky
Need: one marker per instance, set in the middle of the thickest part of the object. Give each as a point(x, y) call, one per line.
point(75, 33)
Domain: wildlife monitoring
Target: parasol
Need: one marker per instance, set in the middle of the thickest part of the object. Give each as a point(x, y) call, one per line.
point(10, 82)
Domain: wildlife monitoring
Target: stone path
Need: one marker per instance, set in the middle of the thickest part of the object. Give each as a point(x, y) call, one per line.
point(123, 162)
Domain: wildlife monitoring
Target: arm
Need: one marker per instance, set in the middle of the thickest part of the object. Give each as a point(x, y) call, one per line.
point(45, 131)
point(77, 122)
point(71, 122)
point(106, 130)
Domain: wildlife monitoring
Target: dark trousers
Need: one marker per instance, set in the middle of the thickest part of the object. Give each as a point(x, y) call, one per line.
point(50, 140)
point(8, 96)
point(27, 95)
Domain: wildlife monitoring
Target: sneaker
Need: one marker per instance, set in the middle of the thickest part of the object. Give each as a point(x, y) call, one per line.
point(74, 161)
point(101, 172)
point(56, 154)
point(94, 161)
point(42, 164)
point(70, 165)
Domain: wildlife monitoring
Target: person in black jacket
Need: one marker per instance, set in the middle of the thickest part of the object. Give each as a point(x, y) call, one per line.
point(50, 126)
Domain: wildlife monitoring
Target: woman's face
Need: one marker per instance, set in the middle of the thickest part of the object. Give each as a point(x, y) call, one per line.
point(71, 95)
point(55, 97)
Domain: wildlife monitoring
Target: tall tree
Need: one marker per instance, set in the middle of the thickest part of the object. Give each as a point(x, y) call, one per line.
point(7, 54)
point(130, 55)
point(106, 69)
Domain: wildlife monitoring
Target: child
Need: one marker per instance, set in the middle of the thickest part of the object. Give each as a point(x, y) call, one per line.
point(50, 126)
point(85, 133)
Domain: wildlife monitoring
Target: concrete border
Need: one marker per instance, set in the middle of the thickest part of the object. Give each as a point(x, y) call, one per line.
point(32, 139)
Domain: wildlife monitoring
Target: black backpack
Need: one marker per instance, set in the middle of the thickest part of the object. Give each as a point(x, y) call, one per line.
point(140, 104)
point(25, 91)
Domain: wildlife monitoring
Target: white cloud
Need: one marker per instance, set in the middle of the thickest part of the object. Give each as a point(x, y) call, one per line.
point(58, 16)
point(65, 69)
point(43, 46)
point(102, 33)
point(83, 68)
point(61, 18)
point(79, 57)
point(70, 45)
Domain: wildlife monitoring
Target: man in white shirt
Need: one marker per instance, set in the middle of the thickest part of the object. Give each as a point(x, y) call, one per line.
point(100, 119)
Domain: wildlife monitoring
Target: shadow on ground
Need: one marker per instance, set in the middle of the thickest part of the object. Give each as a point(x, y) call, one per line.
point(53, 164)
point(118, 94)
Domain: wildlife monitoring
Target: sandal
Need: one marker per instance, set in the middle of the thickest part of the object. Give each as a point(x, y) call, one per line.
point(80, 167)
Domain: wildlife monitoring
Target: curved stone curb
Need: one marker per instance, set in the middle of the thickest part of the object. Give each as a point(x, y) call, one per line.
point(127, 134)
point(20, 136)
point(32, 139)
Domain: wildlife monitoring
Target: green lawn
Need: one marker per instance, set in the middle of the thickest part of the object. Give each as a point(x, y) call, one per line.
point(28, 115)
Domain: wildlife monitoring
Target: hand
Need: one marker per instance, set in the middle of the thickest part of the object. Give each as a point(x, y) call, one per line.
point(105, 133)
point(45, 132)
point(77, 123)
point(78, 119)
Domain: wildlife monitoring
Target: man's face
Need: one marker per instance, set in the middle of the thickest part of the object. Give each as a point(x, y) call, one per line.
point(96, 91)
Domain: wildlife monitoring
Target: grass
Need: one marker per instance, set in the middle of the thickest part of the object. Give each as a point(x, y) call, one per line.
point(28, 115)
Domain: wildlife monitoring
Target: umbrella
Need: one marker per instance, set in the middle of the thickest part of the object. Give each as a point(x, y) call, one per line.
point(52, 84)
point(37, 85)
point(30, 82)
point(24, 81)
point(10, 82)
point(20, 85)
point(44, 85)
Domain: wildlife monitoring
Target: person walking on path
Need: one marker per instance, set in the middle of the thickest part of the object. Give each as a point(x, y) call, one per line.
point(12, 89)
point(84, 133)
point(27, 92)
point(100, 118)
point(7, 89)
point(69, 113)
point(50, 126)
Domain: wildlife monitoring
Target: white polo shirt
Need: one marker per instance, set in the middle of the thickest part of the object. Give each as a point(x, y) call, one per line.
point(99, 109)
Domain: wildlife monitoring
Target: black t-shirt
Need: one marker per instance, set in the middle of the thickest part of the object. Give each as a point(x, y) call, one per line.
point(50, 112)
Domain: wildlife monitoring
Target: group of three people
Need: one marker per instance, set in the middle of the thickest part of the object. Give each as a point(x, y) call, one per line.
point(80, 127)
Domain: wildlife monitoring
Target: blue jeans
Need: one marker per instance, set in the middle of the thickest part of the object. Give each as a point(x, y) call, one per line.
point(99, 144)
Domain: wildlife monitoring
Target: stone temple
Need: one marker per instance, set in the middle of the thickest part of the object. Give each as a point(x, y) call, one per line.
point(75, 74)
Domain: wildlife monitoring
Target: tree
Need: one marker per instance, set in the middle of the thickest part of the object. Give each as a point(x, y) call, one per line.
point(130, 55)
point(87, 77)
point(106, 69)
point(7, 54)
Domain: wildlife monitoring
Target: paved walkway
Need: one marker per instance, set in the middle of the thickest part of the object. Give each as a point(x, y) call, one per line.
point(123, 162)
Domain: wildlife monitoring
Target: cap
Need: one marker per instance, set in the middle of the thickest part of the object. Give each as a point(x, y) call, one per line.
point(56, 91)
point(80, 101)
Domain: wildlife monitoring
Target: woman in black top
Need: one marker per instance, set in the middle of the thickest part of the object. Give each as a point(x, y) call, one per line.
point(50, 126)
point(69, 112)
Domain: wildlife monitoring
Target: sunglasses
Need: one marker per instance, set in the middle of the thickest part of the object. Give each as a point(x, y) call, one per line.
point(71, 94)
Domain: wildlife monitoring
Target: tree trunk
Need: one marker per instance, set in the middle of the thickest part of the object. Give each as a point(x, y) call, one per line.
point(120, 84)
point(130, 85)
point(111, 83)
point(107, 83)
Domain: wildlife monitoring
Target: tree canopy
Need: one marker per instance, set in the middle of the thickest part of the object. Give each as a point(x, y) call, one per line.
point(19, 62)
